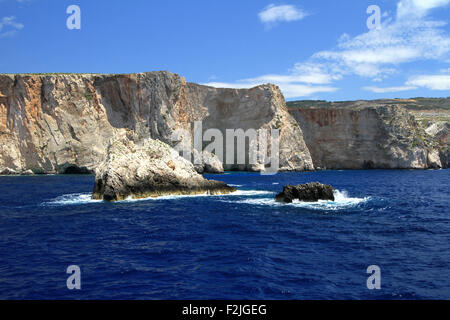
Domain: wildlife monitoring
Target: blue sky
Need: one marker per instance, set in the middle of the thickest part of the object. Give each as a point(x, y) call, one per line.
point(320, 49)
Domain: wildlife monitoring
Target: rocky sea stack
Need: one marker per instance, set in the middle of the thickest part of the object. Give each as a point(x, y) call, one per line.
point(310, 192)
point(149, 168)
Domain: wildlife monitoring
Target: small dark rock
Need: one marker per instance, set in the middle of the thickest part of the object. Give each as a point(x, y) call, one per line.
point(310, 192)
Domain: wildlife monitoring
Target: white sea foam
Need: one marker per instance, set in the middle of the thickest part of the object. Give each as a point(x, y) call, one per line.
point(250, 193)
point(86, 198)
point(71, 199)
point(342, 201)
point(202, 195)
point(252, 197)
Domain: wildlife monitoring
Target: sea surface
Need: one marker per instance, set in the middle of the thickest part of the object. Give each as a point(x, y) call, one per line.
point(239, 246)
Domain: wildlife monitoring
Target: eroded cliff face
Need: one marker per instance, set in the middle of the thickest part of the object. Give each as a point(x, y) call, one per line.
point(440, 132)
point(50, 124)
point(366, 137)
point(65, 123)
point(262, 107)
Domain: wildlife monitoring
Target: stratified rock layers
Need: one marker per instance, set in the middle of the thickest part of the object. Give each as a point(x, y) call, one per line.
point(64, 123)
point(366, 137)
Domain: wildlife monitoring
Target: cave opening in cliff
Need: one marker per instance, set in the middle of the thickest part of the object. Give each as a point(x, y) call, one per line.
point(77, 170)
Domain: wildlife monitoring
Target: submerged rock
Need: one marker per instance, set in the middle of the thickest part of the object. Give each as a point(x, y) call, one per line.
point(149, 168)
point(310, 192)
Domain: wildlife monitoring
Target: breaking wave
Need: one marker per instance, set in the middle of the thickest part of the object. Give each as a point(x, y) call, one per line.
point(251, 197)
point(202, 195)
point(342, 201)
point(71, 199)
point(86, 198)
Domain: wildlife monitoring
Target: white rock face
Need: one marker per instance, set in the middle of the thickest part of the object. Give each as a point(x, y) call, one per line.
point(209, 163)
point(259, 108)
point(8, 171)
point(366, 137)
point(12, 172)
point(63, 123)
point(148, 168)
point(440, 132)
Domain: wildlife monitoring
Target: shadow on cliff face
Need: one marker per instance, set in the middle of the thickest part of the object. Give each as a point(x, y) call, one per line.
point(117, 100)
point(150, 98)
point(231, 109)
point(444, 154)
point(368, 165)
point(228, 110)
point(73, 169)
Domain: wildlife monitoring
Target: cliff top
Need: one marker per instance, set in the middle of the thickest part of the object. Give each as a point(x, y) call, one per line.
point(425, 110)
point(81, 74)
point(410, 104)
point(158, 73)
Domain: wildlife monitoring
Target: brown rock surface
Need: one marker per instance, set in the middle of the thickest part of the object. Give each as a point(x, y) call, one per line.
point(50, 123)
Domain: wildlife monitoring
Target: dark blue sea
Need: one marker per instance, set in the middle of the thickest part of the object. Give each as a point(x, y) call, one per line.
point(239, 246)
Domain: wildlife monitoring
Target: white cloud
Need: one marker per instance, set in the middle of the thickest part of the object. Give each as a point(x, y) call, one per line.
point(283, 13)
point(308, 73)
point(299, 90)
point(406, 37)
point(433, 82)
point(389, 89)
point(378, 53)
point(418, 8)
point(305, 79)
point(11, 26)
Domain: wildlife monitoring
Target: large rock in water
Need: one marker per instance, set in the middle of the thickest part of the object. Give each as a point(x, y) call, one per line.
point(149, 168)
point(310, 192)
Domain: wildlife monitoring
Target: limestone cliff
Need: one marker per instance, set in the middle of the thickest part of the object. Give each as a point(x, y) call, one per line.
point(360, 135)
point(63, 123)
point(262, 107)
point(440, 132)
